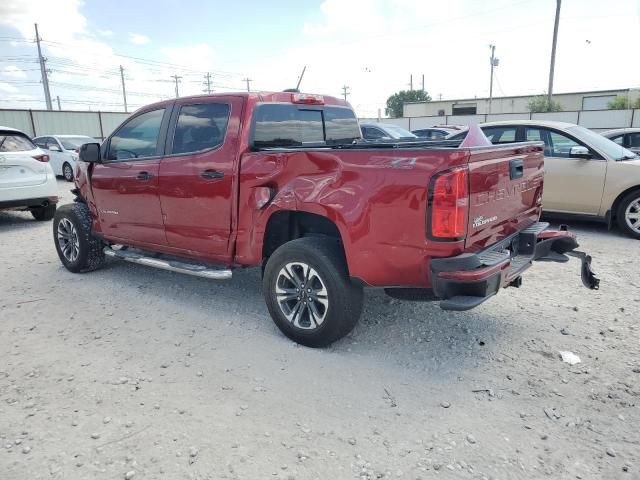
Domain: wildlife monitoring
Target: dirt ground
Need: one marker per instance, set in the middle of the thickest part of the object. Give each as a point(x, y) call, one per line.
point(135, 373)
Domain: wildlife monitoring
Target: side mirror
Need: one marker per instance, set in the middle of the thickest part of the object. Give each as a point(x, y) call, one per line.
point(90, 153)
point(54, 147)
point(580, 152)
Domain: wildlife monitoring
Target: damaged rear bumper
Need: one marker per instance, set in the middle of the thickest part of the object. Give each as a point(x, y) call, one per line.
point(465, 281)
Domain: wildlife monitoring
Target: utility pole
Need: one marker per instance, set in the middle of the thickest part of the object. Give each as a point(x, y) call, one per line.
point(553, 52)
point(207, 79)
point(43, 72)
point(124, 92)
point(423, 82)
point(248, 80)
point(494, 63)
point(411, 82)
point(58, 98)
point(177, 79)
point(345, 92)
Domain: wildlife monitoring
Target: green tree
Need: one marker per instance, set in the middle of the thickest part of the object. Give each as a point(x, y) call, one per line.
point(541, 104)
point(397, 100)
point(621, 102)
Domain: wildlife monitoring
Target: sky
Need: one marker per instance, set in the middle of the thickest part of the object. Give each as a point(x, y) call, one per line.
point(371, 46)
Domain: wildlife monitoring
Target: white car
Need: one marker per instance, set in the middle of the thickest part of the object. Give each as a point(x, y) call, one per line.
point(63, 152)
point(27, 181)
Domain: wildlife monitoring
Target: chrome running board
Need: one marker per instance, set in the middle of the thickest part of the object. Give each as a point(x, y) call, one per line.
point(195, 269)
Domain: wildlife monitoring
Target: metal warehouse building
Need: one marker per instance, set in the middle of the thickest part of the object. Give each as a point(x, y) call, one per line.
point(576, 101)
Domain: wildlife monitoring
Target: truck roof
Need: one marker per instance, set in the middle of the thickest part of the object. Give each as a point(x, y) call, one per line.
point(279, 97)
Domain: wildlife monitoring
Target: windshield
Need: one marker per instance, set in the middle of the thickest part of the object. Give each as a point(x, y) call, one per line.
point(606, 146)
point(71, 143)
point(398, 132)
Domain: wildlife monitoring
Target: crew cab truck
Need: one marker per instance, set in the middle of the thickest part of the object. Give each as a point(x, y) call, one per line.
point(202, 185)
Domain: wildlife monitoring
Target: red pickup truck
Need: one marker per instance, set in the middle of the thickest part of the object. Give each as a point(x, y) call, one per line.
point(202, 185)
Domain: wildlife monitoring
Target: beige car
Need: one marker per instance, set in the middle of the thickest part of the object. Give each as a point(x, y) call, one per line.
point(586, 174)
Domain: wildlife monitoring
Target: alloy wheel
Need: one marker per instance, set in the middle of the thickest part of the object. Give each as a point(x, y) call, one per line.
point(302, 295)
point(67, 172)
point(68, 240)
point(632, 215)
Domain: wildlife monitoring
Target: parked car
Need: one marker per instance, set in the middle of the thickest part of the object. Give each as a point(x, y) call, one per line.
point(438, 132)
point(628, 138)
point(586, 174)
point(385, 131)
point(63, 152)
point(26, 179)
point(202, 185)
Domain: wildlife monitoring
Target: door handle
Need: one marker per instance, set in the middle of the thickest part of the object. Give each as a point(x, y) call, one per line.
point(516, 169)
point(144, 176)
point(211, 174)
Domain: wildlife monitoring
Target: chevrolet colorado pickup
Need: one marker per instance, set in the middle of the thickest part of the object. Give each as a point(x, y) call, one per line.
point(203, 185)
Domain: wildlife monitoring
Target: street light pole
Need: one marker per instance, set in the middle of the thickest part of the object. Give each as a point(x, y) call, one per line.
point(553, 53)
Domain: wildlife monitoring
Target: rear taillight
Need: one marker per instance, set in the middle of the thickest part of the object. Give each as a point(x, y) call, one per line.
point(449, 205)
point(41, 158)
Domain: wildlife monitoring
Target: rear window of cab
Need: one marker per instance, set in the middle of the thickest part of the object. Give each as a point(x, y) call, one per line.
point(286, 125)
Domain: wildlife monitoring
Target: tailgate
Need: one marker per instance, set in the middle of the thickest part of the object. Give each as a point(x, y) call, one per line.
point(505, 191)
point(20, 169)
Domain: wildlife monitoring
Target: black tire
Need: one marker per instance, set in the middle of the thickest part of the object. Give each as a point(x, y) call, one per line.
point(43, 214)
point(67, 172)
point(344, 299)
point(89, 254)
point(621, 214)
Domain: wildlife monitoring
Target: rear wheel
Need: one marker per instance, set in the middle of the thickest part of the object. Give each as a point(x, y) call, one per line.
point(78, 249)
point(308, 291)
point(628, 214)
point(67, 172)
point(44, 213)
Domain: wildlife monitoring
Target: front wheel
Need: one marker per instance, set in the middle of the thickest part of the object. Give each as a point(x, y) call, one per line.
point(628, 214)
point(308, 291)
point(67, 172)
point(78, 249)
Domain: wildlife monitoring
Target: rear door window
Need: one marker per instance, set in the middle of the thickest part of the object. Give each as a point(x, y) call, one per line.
point(200, 127)
point(284, 125)
point(500, 134)
point(15, 142)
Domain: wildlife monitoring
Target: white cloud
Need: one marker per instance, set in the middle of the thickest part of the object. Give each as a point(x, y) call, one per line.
point(6, 87)
point(12, 71)
point(200, 55)
point(138, 39)
point(105, 33)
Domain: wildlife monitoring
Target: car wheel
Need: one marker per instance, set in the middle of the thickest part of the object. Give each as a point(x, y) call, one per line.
point(67, 172)
point(43, 213)
point(308, 291)
point(78, 249)
point(628, 214)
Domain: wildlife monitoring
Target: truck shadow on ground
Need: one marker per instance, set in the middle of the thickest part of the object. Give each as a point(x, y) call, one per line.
point(417, 335)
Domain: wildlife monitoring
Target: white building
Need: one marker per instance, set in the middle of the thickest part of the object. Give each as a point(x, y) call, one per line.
point(576, 101)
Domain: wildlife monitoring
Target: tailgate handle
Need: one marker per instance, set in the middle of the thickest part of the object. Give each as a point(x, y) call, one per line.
point(516, 169)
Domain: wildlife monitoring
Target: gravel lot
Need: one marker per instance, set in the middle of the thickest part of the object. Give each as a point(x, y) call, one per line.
point(130, 372)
